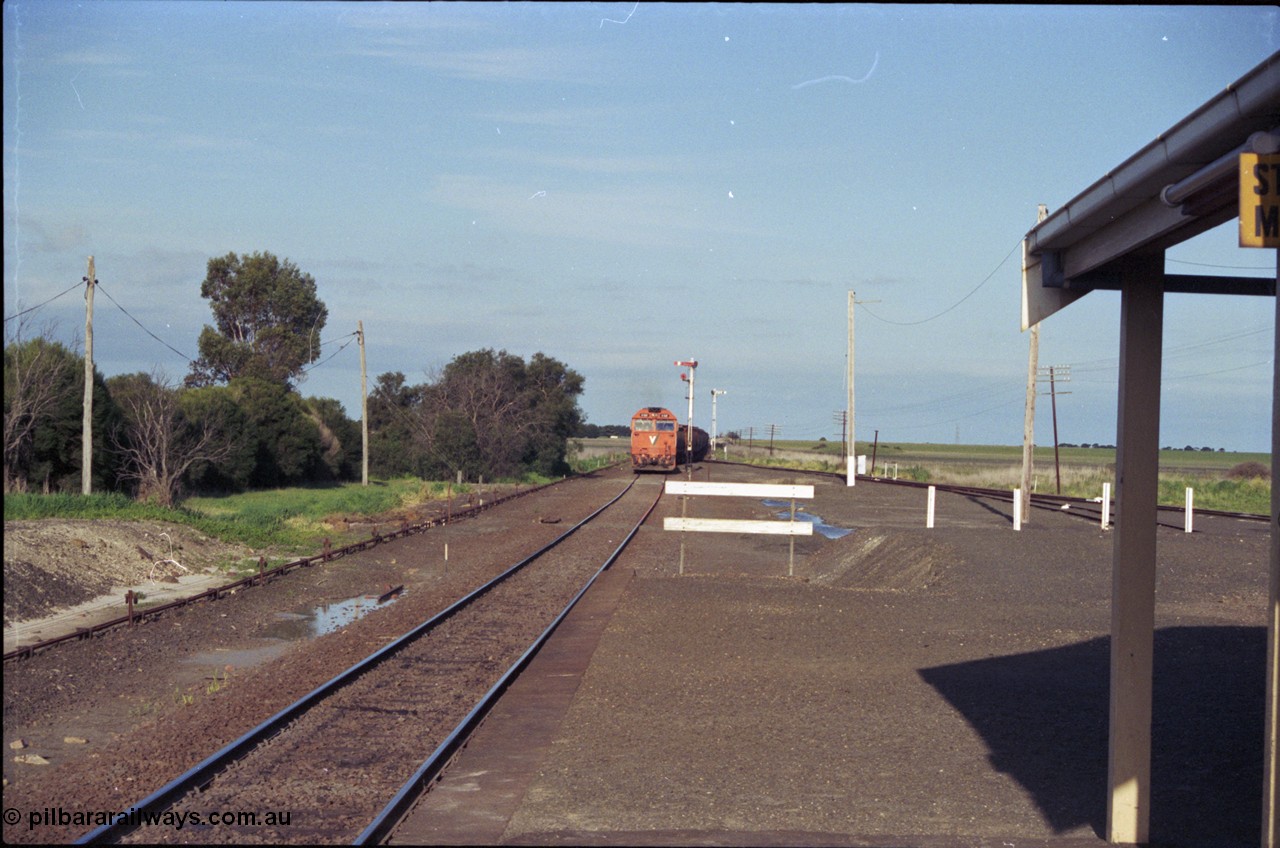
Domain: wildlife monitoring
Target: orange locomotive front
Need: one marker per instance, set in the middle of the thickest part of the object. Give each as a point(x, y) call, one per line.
point(654, 439)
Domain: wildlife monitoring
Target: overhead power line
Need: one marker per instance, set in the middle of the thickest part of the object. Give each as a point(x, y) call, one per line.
point(1211, 265)
point(74, 286)
point(954, 305)
point(140, 324)
point(350, 337)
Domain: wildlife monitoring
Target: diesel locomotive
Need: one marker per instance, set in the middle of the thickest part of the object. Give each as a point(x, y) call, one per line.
point(658, 441)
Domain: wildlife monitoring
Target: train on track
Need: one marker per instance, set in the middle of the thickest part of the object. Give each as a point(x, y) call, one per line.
point(658, 441)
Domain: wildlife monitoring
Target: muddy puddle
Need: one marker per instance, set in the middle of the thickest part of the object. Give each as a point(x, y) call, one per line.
point(830, 531)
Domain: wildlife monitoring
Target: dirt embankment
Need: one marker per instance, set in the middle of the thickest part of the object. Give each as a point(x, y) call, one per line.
point(53, 564)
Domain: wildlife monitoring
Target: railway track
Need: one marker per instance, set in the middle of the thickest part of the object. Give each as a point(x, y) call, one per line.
point(265, 575)
point(333, 759)
point(1087, 508)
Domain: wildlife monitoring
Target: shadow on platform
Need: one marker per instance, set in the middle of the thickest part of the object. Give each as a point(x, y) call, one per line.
point(1043, 716)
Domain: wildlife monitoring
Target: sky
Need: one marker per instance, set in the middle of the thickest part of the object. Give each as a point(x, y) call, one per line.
point(621, 186)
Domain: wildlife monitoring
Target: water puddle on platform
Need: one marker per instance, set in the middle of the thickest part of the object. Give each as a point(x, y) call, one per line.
point(828, 530)
point(326, 618)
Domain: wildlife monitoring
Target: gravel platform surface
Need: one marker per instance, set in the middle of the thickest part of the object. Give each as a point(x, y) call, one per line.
point(907, 686)
point(903, 687)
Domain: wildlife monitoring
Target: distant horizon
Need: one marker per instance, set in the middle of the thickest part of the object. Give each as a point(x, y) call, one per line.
point(622, 186)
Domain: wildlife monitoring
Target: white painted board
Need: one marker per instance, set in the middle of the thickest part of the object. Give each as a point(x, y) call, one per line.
point(731, 525)
point(742, 490)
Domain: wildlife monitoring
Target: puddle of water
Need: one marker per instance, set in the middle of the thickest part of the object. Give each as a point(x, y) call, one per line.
point(828, 530)
point(242, 658)
point(326, 618)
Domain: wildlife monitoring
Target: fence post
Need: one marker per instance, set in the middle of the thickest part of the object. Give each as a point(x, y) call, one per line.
point(1191, 496)
point(933, 494)
point(1017, 509)
point(1106, 505)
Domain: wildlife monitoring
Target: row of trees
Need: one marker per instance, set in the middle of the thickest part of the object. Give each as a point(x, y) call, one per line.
point(238, 422)
point(154, 439)
point(487, 413)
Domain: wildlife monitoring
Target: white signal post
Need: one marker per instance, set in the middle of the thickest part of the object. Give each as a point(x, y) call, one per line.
point(715, 393)
point(692, 365)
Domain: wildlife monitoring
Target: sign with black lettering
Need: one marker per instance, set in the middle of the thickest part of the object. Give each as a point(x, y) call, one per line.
point(1260, 199)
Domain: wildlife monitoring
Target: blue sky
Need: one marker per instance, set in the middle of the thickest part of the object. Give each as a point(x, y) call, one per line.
point(623, 185)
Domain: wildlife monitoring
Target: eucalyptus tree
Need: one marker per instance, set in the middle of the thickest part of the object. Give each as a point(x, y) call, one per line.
point(267, 321)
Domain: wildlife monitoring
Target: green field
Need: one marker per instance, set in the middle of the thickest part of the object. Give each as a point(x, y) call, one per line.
point(1080, 471)
point(283, 522)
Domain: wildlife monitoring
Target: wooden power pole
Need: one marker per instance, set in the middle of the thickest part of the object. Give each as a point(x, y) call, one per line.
point(364, 409)
point(1029, 415)
point(86, 426)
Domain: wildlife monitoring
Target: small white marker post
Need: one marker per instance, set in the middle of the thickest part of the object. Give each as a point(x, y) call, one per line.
point(1106, 505)
point(933, 495)
point(1191, 496)
point(1017, 509)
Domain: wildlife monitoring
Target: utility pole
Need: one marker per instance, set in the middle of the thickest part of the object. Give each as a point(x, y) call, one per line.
point(842, 418)
point(1063, 373)
point(852, 456)
point(86, 427)
point(715, 393)
point(364, 408)
point(773, 429)
point(1029, 414)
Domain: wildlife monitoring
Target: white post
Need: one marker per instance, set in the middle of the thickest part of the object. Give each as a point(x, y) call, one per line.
point(852, 470)
point(933, 494)
point(1106, 505)
point(715, 432)
point(1017, 510)
point(1191, 496)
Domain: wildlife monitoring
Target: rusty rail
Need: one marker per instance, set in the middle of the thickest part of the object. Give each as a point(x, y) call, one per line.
point(264, 574)
point(1038, 500)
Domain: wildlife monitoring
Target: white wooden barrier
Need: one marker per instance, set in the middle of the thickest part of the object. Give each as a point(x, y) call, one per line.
point(1017, 509)
point(790, 528)
point(1106, 505)
point(732, 525)
point(1191, 497)
point(928, 514)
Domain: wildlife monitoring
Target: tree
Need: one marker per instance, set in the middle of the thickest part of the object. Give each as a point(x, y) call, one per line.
point(285, 438)
point(30, 393)
point(216, 407)
point(394, 419)
point(339, 437)
point(488, 413)
point(158, 443)
point(473, 415)
point(44, 392)
point(552, 390)
point(267, 321)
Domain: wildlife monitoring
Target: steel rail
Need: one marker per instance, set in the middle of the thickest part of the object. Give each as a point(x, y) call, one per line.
point(426, 774)
point(203, 772)
point(1038, 500)
point(265, 575)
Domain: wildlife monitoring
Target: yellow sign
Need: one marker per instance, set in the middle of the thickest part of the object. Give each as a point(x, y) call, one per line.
point(1260, 199)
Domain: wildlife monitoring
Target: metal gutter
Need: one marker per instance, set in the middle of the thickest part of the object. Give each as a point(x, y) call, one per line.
point(1249, 105)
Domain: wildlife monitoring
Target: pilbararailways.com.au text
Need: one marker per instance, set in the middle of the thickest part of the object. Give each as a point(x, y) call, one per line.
point(59, 816)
